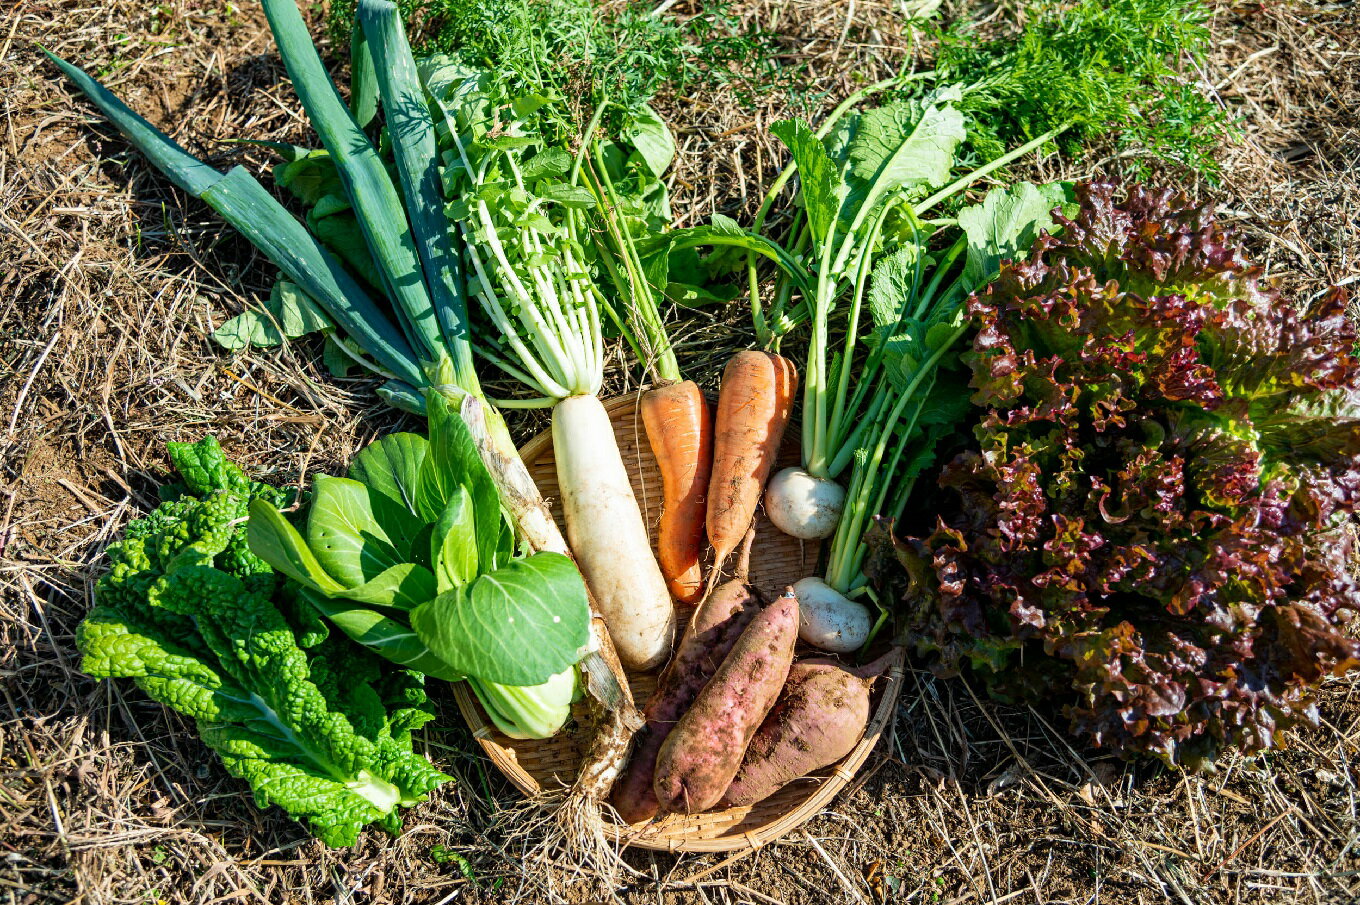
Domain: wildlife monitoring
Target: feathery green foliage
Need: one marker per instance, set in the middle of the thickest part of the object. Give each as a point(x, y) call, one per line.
point(1123, 70)
point(587, 54)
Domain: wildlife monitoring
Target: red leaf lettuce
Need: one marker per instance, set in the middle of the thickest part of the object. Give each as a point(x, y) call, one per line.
point(1152, 524)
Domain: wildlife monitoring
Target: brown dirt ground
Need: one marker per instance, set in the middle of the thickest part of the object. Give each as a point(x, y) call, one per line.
point(108, 284)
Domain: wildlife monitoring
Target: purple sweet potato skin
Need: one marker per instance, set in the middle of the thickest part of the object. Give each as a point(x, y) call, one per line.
point(818, 719)
point(714, 628)
point(702, 753)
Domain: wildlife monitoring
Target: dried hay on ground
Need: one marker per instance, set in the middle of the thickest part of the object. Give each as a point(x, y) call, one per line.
point(108, 284)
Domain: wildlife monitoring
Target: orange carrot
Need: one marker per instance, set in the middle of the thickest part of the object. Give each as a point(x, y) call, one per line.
point(753, 410)
point(680, 432)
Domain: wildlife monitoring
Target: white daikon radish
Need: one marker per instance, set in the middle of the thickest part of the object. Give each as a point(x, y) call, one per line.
point(606, 532)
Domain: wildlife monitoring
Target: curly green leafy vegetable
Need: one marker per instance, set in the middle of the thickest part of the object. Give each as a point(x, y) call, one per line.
point(313, 723)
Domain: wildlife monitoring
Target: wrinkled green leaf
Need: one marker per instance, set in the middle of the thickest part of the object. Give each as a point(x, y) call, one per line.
point(893, 286)
point(550, 162)
point(816, 175)
point(653, 140)
point(1004, 226)
point(567, 195)
point(907, 146)
point(288, 314)
point(199, 624)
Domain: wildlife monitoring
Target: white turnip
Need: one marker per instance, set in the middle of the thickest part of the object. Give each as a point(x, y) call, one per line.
point(803, 505)
point(829, 620)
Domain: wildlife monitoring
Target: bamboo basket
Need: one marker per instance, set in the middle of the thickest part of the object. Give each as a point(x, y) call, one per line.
point(777, 560)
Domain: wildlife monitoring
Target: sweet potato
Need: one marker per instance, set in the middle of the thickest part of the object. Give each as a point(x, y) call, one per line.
point(819, 717)
point(717, 623)
point(701, 755)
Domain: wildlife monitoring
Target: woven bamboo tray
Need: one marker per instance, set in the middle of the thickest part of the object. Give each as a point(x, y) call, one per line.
point(777, 560)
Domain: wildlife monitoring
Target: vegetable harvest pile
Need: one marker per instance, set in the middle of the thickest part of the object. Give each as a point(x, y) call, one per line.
point(1061, 437)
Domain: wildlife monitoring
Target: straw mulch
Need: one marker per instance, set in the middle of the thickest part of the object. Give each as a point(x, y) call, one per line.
point(109, 282)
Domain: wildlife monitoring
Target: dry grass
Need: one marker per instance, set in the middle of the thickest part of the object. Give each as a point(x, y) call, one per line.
point(108, 283)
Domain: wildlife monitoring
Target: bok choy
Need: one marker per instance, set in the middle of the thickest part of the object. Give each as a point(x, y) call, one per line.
point(412, 556)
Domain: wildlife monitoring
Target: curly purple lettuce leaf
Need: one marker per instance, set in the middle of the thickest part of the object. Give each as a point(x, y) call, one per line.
point(1152, 525)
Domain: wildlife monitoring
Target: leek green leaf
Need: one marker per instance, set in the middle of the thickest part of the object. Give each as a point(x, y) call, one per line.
point(376, 203)
point(243, 203)
point(412, 132)
point(401, 395)
point(363, 81)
